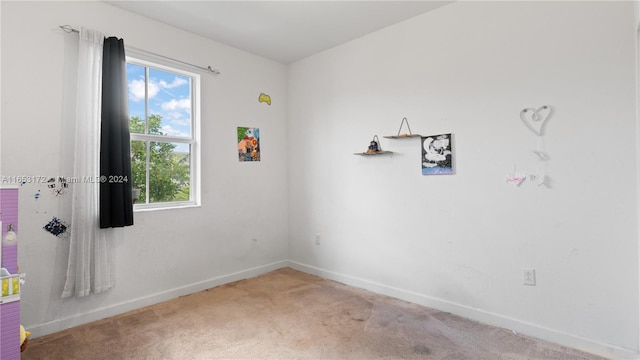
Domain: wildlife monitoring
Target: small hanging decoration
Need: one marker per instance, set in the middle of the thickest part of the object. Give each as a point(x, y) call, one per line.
point(535, 119)
point(374, 145)
point(56, 227)
point(11, 238)
point(374, 148)
point(538, 179)
point(264, 98)
point(58, 186)
point(542, 156)
point(516, 177)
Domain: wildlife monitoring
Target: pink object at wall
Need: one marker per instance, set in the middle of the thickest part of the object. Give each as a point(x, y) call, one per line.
point(9, 312)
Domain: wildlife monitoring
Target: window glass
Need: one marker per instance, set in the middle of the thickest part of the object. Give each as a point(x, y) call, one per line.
point(171, 102)
point(137, 104)
point(168, 172)
point(162, 124)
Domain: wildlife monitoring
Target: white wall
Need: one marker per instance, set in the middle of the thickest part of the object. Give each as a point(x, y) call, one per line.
point(166, 253)
point(456, 242)
point(460, 242)
point(636, 6)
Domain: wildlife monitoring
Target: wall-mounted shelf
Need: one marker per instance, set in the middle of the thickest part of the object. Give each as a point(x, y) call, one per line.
point(374, 153)
point(374, 148)
point(405, 135)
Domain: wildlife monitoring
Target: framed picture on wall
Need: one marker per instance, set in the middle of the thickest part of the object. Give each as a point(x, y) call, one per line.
point(437, 155)
point(248, 144)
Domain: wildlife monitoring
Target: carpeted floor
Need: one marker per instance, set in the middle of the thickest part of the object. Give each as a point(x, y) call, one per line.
point(288, 314)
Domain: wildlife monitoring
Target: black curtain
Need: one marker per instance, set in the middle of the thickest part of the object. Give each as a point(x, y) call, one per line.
point(116, 203)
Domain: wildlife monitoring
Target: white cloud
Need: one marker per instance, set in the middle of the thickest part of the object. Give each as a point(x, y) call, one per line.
point(168, 130)
point(136, 90)
point(180, 121)
point(175, 83)
point(173, 104)
point(174, 115)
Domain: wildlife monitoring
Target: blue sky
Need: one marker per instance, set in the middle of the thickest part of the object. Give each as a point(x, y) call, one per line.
point(169, 97)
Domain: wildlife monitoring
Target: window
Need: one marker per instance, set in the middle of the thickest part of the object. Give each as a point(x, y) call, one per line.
point(164, 126)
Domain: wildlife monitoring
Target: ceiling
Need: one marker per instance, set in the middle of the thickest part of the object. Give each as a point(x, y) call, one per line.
point(284, 31)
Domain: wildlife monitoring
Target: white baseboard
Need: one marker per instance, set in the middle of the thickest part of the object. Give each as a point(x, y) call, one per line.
point(116, 309)
point(525, 328)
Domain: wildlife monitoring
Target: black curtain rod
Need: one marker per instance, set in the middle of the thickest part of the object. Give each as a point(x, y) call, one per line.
point(70, 29)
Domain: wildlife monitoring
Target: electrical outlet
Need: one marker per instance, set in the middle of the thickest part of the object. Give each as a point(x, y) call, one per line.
point(317, 239)
point(529, 277)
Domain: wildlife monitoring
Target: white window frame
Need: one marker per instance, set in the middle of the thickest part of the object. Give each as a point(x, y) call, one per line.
point(142, 59)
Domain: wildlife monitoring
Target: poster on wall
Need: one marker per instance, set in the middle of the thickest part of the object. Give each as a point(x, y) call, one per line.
point(248, 144)
point(437, 155)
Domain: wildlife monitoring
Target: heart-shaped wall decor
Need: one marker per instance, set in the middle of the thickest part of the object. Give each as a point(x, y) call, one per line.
point(535, 119)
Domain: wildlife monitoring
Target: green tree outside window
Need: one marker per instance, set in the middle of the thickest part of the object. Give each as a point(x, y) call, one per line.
point(168, 169)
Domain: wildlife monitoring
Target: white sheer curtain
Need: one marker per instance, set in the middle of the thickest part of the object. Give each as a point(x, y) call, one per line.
point(90, 265)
